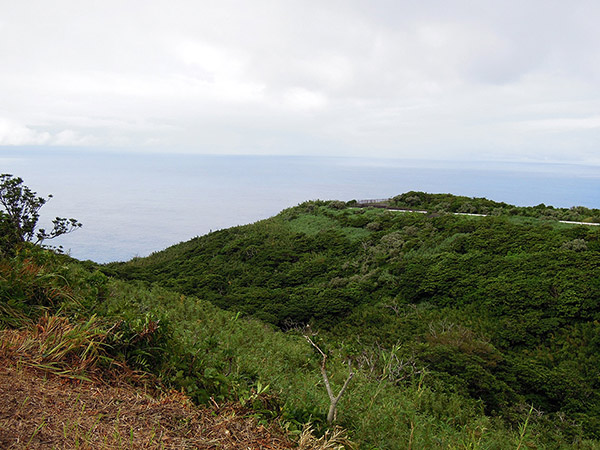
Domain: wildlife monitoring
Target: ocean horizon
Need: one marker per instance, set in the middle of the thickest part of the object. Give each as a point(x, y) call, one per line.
point(133, 204)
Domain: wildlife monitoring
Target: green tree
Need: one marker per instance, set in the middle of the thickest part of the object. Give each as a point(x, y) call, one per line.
point(19, 215)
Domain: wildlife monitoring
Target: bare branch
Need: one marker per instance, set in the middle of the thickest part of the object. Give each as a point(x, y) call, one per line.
point(315, 346)
point(332, 414)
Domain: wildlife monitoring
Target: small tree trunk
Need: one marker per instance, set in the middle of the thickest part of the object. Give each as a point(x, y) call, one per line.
point(332, 414)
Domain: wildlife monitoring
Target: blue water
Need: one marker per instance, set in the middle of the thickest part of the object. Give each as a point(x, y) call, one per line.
point(132, 204)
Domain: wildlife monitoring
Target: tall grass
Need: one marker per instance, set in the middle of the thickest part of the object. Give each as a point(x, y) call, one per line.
point(55, 345)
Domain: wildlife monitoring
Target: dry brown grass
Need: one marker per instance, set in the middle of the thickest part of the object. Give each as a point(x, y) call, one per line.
point(57, 346)
point(335, 439)
point(44, 406)
point(45, 412)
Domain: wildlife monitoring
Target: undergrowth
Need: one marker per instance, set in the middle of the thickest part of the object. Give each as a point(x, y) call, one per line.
point(80, 320)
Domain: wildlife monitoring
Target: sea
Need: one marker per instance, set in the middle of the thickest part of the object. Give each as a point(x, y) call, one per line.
point(135, 203)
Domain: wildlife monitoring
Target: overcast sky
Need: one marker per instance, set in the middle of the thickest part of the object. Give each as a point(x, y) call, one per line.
point(508, 80)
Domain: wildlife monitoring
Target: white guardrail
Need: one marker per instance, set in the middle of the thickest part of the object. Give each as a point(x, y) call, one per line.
point(381, 200)
point(372, 200)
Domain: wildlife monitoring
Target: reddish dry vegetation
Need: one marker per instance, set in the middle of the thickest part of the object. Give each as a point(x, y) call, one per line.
point(44, 410)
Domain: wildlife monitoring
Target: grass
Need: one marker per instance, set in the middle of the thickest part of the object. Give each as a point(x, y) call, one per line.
point(313, 224)
point(44, 410)
point(56, 346)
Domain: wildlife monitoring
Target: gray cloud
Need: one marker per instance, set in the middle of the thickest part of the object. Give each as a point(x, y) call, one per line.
point(437, 79)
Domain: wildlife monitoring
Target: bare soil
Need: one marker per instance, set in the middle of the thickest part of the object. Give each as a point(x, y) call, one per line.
point(40, 410)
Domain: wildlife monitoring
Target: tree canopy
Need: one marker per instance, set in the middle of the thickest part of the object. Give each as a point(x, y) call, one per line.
point(20, 214)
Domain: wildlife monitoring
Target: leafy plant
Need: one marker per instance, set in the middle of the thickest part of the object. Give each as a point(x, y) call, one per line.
point(20, 215)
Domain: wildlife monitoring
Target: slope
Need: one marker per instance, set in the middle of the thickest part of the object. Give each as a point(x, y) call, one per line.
point(500, 310)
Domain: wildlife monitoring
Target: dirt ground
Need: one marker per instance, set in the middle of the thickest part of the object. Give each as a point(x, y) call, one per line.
point(40, 410)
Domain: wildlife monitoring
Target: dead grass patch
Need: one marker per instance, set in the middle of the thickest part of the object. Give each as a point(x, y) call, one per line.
point(44, 411)
point(53, 395)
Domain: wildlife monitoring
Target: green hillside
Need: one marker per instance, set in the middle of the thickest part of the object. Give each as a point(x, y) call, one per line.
point(497, 314)
point(462, 332)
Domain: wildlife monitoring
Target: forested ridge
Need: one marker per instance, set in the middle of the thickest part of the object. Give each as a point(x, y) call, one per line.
point(502, 310)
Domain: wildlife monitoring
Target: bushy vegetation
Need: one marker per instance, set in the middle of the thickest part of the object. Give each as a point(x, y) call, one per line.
point(208, 353)
point(469, 205)
point(462, 332)
point(496, 314)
